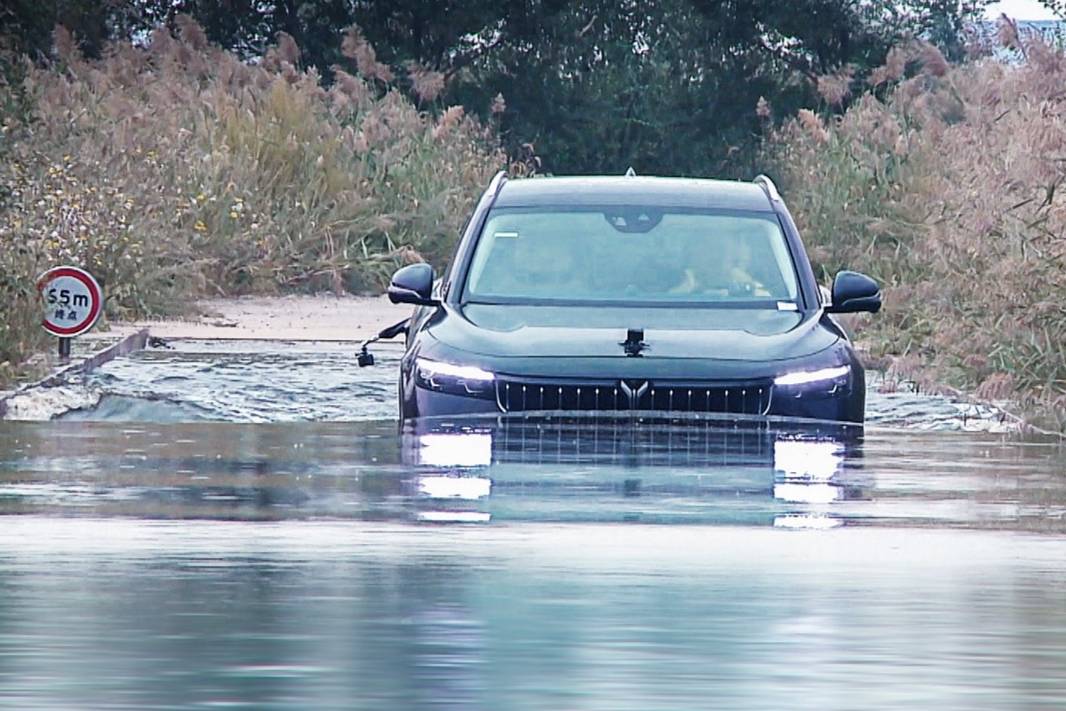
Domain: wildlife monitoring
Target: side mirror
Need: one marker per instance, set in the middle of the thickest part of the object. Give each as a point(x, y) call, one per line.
point(413, 285)
point(854, 292)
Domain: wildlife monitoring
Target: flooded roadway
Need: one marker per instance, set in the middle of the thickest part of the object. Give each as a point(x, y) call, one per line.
point(270, 381)
point(179, 545)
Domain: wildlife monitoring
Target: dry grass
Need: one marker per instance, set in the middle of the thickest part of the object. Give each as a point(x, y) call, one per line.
point(947, 186)
point(176, 170)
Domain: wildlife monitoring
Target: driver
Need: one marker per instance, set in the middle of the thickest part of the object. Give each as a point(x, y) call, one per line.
point(720, 268)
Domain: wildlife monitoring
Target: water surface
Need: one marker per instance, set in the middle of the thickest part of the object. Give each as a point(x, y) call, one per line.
point(273, 381)
point(312, 614)
point(245, 529)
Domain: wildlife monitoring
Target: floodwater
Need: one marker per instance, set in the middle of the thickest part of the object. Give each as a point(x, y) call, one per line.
point(251, 381)
point(246, 529)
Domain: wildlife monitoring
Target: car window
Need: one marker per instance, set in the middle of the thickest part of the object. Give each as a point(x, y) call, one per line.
point(630, 254)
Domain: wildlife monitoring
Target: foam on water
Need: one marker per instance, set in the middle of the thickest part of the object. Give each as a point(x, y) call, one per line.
point(259, 381)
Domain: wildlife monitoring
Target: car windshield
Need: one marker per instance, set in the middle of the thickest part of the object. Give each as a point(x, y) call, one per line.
point(631, 255)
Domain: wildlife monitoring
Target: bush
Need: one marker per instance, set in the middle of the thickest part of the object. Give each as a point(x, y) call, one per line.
point(177, 170)
point(946, 186)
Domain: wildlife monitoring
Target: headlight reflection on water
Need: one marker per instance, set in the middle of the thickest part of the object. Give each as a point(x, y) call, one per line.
point(804, 470)
point(454, 516)
point(809, 460)
point(470, 488)
point(803, 521)
point(459, 449)
point(803, 493)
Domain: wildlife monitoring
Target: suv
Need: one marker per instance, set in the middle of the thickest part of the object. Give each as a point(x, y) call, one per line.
point(630, 294)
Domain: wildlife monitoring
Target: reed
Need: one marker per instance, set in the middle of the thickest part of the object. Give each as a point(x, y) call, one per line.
point(176, 170)
point(945, 182)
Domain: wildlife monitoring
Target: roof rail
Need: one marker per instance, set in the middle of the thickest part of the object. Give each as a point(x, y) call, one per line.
point(496, 184)
point(768, 187)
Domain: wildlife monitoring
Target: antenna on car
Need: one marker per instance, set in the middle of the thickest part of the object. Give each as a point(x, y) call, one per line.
point(631, 173)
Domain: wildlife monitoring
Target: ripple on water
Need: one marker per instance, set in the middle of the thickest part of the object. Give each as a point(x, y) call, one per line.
point(256, 381)
point(243, 381)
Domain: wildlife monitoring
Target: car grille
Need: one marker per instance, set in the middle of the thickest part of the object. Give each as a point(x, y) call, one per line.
point(526, 395)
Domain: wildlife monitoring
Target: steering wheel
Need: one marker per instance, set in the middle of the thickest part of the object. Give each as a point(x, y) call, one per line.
point(741, 289)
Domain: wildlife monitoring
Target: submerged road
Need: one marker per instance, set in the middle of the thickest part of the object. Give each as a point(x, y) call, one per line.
point(241, 524)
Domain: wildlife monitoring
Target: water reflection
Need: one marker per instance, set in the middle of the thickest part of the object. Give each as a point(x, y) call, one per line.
point(488, 564)
point(526, 468)
point(699, 458)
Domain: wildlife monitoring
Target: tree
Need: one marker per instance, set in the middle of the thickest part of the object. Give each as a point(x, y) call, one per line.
point(28, 24)
point(667, 86)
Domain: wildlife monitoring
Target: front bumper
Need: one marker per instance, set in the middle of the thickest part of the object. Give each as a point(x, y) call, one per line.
point(750, 398)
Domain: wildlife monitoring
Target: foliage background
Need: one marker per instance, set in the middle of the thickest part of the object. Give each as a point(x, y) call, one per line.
point(263, 146)
point(945, 183)
point(175, 170)
point(589, 86)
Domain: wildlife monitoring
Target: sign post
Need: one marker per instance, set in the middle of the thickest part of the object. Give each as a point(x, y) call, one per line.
point(73, 302)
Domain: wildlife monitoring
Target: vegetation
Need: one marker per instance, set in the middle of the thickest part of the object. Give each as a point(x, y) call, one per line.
point(665, 86)
point(268, 149)
point(945, 182)
point(176, 170)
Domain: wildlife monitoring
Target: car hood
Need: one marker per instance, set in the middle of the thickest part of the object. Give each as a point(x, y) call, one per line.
point(728, 334)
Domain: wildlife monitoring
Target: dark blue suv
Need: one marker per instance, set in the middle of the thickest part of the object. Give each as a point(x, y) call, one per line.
point(591, 294)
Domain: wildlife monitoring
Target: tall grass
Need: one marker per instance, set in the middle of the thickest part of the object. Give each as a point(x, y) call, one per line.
point(947, 184)
point(177, 170)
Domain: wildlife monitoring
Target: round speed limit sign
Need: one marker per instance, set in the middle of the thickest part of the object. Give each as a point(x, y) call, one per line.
point(72, 299)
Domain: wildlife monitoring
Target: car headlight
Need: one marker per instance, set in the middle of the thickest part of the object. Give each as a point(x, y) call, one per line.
point(827, 377)
point(454, 379)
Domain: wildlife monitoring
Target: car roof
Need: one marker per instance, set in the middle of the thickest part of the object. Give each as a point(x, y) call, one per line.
point(578, 191)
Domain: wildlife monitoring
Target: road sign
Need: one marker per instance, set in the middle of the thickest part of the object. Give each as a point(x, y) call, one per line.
point(72, 299)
